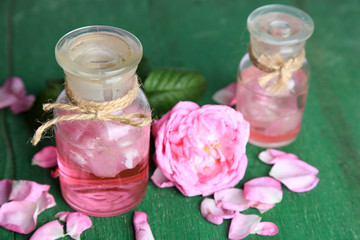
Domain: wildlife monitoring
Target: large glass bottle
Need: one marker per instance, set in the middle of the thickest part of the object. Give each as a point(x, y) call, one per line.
point(278, 33)
point(103, 165)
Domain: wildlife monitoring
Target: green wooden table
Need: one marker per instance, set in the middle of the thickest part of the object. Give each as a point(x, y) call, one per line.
point(210, 37)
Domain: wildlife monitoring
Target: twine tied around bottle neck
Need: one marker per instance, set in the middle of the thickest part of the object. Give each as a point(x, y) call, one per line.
point(88, 110)
point(275, 66)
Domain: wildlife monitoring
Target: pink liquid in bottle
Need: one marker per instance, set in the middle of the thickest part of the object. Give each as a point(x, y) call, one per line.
point(274, 120)
point(103, 166)
point(276, 59)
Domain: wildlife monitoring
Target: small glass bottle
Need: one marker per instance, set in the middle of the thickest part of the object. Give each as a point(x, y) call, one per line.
point(103, 165)
point(278, 33)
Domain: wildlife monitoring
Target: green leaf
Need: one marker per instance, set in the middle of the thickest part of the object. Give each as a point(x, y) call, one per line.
point(36, 115)
point(166, 87)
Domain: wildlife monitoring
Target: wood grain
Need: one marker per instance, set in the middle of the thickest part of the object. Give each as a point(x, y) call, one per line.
point(210, 37)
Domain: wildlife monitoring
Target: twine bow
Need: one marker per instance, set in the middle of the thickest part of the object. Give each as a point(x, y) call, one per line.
point(88, 110)
point(275, 66)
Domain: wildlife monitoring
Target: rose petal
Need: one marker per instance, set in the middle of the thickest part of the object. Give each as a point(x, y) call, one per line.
point(10, 91)
point(54, 173)
point(62, 215)
point(212, 213)
point(271, 156)
point(263, 193)
point(142, 227)
point(242, 225)
point(160, 180)
point(232, 199)
point(28, 199)
point(13, 94)
point(262, 207)
point(19, 216)
point(227, 95)
point(76, 223)
point(45, 201)
point(5, 190)
point(182, 108)
point(265, 229)
point(22, 104)
point(27, 190)
point(49, 231)
point(15, 86)
point(6, 99)
point(46, 157)
point(263, 190)
point(296, 175)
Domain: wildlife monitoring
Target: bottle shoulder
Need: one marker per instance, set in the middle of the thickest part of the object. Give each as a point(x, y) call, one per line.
point(139, 105)
point(249, 76)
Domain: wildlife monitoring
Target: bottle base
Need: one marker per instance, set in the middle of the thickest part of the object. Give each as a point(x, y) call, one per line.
point(101, 214)
point(104, 197)
point(266, 141)
point(271, 144)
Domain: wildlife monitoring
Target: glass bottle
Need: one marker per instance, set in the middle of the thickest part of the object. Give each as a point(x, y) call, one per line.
point(103, 165)
point(277, 32)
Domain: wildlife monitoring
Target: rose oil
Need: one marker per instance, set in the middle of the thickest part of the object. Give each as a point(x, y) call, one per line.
point(106, 175)
point(273, 77)
point(103, 164)
point(273, 120)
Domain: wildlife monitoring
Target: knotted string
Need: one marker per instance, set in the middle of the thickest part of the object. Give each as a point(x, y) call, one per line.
point(275, 66)
point(88, 110)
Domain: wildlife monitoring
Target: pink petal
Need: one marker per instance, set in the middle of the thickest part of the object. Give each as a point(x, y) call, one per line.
point(49, 231)
point(62, 215)
point(45, 201)
point(263, 193)
point(232, 199)
point(212, 213)
point(160, 180)
point(12, 87)
point(142, 227)
point(263, 190)
point(5, 189)
point(6, 99)
point(262, 207)
point(13, 94)
point(242, 225)
point(227, 95)
point(27, 190)
point(28, 199)
point(19, 216)
point(54, 173)
point(16, 86)
point(46, 157)
point(76, 223)
point(296, 175)
point(265, 229)
point(271, 156)
point(22, 104)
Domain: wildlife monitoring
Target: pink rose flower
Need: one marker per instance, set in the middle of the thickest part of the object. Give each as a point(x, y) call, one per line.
point(200, 150)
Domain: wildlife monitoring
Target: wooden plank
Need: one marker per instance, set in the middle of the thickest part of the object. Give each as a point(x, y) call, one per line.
point(211, 37)
point(7, 160)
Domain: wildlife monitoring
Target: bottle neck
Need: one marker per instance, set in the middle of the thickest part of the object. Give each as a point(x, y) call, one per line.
point(101, 90)
point(284, 51)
